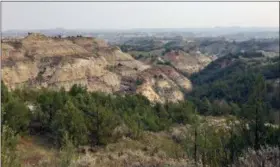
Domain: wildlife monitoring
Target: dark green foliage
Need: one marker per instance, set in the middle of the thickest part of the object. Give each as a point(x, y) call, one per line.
point(5, 94)
point(124, 48)
point(205, 106)
point(247, 93)
point(139, 82)
point(89, 117)
point(259, 109)
point(173, 45)
point(164, 117)
point(25, 94)
point(16, 115)
point(253, 54)
point(271, 71)
point(139, 56)
point(76, 89)
point(221, 107)
point(231, 79)
point(69, 120)
point(243, 137)
point(49, 102)
point(141, 44)
point(101, 122)
point(238, 86)
point(181, 112)
point(9, 140)
point(67, 152)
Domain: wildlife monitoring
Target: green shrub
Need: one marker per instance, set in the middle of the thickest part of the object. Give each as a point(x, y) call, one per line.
point(16, 115)
point(9, 140)
point(67, 154)
point(71, 120)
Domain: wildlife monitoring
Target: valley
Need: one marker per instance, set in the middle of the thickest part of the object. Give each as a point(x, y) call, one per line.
point(138, 102)
point(140, 84)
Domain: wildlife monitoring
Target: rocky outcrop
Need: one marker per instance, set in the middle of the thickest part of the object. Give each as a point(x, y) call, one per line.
point(187, 63)
point(163, 83)
point(40, 61)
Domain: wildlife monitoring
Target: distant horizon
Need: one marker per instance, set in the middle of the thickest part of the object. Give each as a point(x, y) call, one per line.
point(138, 15)
point(215, 27)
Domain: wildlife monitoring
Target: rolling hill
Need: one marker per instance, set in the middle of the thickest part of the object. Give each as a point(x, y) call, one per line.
point(39, 61)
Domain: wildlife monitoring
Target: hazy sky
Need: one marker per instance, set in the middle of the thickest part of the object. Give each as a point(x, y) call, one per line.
point(125, 15)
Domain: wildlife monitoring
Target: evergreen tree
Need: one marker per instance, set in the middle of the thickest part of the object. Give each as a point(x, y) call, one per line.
point(46, 105)
point(258, 107)
point(71, 120)
point(16, 116)
point(205, 107)
point(196, 123)
point(101, 122)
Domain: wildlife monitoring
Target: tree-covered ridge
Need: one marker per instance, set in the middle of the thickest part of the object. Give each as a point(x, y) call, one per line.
point(209, 46)
point(231, 78)
point(141, 44)
point(251, 62)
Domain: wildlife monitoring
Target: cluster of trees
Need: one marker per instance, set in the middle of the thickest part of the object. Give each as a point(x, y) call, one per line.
point(210, 46)
point(230, 86)
point(88, 117)
point(173, 45)
point(92, 118)
point(221, 148)
point(242, 90)
point(141, 44)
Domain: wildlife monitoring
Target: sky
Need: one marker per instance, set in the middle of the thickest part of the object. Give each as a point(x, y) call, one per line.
point(127, 15)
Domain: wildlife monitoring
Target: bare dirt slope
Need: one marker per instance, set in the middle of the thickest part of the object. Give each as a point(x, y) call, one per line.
point(186, 62)
point(40, 61)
